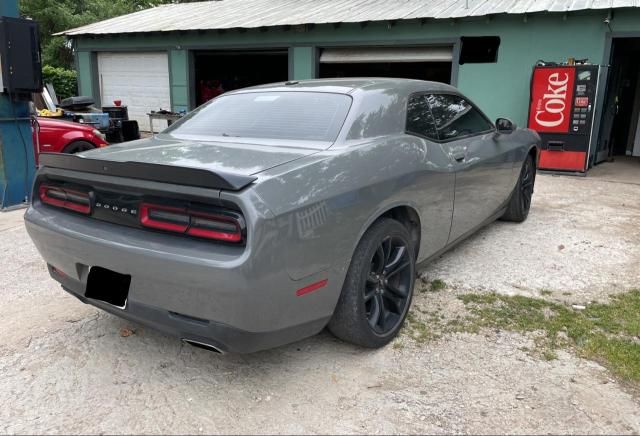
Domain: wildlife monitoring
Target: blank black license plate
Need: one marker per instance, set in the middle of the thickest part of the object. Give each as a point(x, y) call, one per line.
point(108, 286)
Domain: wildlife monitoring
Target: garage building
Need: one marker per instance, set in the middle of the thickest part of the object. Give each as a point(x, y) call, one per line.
point(177, 56)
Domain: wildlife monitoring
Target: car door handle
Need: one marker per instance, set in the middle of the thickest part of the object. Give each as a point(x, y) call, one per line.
point(459, 156)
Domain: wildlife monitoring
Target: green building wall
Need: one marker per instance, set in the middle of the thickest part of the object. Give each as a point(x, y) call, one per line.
point(179, 79)
point(86, 73)
point(501, 88)
point(303, 63)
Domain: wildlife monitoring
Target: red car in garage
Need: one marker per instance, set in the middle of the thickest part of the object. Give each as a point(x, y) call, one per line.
point(57, 136)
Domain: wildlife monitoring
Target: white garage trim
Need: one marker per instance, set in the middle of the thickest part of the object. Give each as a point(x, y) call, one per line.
point(140, 80)
point(367, 55)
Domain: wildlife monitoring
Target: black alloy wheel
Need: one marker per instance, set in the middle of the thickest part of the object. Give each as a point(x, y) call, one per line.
point(376, 294)
point(526, 185)
point(386, 291)
point(520, 201)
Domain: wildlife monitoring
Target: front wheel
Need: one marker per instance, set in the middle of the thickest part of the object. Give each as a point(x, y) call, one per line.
point(520, 203)
point(78, 146)
point(378, 288)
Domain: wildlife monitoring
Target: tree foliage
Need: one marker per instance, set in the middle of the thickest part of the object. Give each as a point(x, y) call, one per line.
point(65, 82)
point(58, 15)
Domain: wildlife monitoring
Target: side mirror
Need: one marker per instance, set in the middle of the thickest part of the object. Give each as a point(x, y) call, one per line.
point(505, 126)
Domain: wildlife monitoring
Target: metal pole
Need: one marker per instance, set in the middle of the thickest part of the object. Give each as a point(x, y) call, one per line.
point(17, 166)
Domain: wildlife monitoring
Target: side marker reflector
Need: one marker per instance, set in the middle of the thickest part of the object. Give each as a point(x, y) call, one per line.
point(313, 287)
point(59, 273)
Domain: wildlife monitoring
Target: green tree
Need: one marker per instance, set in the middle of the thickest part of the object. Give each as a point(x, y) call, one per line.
point(58, 15)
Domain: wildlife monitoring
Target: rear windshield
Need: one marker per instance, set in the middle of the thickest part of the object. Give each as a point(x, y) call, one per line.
point(290, 115)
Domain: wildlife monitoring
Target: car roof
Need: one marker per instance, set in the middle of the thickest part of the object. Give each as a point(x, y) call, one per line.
point(379, 104)
point(352, 85)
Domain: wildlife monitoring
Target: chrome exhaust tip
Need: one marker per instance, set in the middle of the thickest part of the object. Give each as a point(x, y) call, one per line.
point(202, 345)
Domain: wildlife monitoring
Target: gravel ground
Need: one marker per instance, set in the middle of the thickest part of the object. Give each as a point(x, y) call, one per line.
point(582, 237)
point(66, 368)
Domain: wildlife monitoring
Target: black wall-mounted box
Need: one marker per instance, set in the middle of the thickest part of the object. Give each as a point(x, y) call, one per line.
point(21, 65)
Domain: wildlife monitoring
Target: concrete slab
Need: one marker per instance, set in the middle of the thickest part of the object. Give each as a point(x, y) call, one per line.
point(11, 219)
point(623, 169)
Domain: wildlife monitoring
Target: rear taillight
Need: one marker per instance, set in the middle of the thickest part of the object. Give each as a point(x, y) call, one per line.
point(210, 226)
point(171, 219)
point(65, 198)
point(227, 227)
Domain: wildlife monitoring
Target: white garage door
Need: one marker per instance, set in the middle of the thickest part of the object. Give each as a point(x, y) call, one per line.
point(140, 80)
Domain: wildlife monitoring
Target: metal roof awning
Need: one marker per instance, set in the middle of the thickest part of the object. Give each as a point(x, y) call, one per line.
point(251, 14)
point(361, 55)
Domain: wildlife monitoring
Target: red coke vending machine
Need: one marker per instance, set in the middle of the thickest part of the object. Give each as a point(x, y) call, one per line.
point(563, 103)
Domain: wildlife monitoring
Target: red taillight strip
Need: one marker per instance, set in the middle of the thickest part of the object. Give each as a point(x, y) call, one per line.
point(147, 221)
point(146, 210)
point(200, 232)
point(211, 234)
point(43, 192)
point(313, 287)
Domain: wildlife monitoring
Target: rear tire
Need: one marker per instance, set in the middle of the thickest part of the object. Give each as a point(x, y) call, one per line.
point(78, 146)
point(520, 203)
point(378, 289)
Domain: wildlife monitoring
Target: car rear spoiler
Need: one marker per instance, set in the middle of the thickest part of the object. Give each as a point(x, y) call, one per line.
point(198, 177)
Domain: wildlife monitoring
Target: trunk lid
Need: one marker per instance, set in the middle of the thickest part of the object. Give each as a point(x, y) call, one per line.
point(225, 157)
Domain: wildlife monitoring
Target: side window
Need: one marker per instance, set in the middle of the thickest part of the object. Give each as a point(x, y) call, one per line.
point(455, 117)
point(419, 118)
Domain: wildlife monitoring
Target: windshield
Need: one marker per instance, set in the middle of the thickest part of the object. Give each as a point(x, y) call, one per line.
point(288, 115)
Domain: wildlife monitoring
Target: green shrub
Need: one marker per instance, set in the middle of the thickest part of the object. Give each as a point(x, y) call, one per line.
point(65, 82)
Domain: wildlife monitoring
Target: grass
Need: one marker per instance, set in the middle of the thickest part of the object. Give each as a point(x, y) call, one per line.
point(607, 333)
point(423, 326)
point(549, 355)
point(397, 345)
point(418, 329)
point(436, 285)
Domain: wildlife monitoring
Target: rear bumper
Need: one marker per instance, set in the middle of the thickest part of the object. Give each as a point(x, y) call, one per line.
point(223, 337)
point(230, 297)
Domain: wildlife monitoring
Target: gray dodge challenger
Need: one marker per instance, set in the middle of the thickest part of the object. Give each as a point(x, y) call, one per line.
point(273, 212)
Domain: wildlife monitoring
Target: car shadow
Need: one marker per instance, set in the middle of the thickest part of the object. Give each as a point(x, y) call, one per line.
point(139, 342)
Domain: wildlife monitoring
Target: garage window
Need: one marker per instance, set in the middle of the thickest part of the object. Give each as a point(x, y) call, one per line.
point(479, 50)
